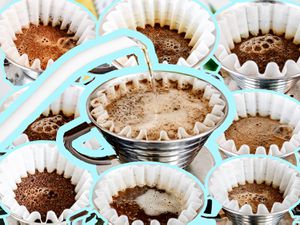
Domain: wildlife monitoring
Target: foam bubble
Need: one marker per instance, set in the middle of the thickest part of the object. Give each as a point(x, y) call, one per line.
point(49, 125)
point(262, 44)
point(283, 132)
point(66, 42)
point(155, 203)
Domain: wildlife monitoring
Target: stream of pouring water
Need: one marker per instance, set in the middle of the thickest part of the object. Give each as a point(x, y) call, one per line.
point(151, 76)
point(150, 70)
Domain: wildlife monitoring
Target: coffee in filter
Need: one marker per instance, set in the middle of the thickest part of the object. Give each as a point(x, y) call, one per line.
point(148, 194)
point(181, 107)
point(51, 25)
point(265, 123)
point(254, 36)
point(39, 162)
point(182, 31)
point(280, 180)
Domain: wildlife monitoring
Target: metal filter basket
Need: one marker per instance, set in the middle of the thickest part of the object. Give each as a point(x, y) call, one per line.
point(238, 219)
point(231, 173)
point(282, 84)
point(175, 152)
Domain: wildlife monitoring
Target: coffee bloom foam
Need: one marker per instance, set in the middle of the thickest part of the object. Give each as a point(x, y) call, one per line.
point(241, 170)
point(56, 12)
point(243, 20)
point(265, 104)
point(103, 97)
point(158, 176)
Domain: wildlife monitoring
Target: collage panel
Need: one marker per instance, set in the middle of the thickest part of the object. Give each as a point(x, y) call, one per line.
point(149, 112)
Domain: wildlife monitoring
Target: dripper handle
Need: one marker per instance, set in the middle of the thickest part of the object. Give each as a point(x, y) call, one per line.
point(78, 131)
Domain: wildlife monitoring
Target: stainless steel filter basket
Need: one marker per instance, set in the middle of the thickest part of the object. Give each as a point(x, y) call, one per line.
point(176, 152)
point(282, 84)
point(240, 170)
point(269, 219)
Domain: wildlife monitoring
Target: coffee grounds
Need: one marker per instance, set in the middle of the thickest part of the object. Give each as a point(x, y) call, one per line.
point(126, 203)
point(169, 44)
point(44, 43)
point(255, 194)
point(43, 192)
point(256, 131)
point(263, 49)
point(46, 127)
point(175, 108)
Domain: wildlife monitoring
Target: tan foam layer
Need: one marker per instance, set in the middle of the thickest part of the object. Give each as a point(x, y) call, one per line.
point(155, 203)
point(178, 109)
point(167, 110)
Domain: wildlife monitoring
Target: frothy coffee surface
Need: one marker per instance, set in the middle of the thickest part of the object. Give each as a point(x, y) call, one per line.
point(44, 43)
point(168, 110)
point(169, 44)
point(146, 204)
point(264, 49)
point(255, 194)
point(43, 192)
point(256, 131)
point(46, 127)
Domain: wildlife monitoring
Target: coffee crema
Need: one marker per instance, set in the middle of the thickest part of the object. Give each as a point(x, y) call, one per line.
point(44, 42)
point(254, 194)
point(43, 192)
point(46, 127)
point(146, 204)
point(263, 49)
point(256, 131)
point(169, 45)
point(166, 110)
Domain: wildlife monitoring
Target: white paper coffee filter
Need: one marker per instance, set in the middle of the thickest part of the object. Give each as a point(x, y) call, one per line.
point(241, 170)
point(67, 103)
point(161, 177)
point(41, 157)
point(185, 16)
point(25, 12)
point(265, 104)
point(108, 94)
point(243, 20)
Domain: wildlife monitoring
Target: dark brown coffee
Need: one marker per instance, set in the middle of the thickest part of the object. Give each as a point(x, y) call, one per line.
point(44, 43)
point(169, 44)
point(255, 194)
point(176, 108)
point(256, 131)
point(46, 127)
point(263, 49)
point(146, 204)
point(43, 192)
